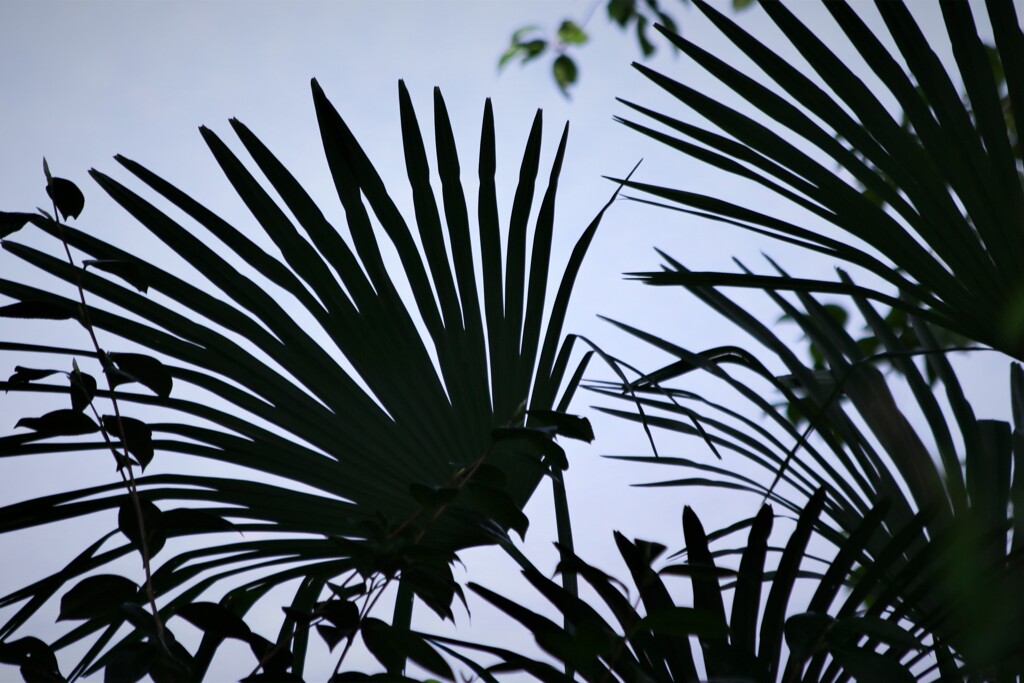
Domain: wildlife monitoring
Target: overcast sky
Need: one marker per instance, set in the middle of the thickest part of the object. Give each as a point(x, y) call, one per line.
point(81, 81)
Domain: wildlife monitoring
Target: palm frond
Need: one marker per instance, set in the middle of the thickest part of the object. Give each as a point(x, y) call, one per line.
point(306, 365)
point(938, 203)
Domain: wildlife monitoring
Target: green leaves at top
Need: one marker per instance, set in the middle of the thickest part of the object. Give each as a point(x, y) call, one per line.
point(565, 72)
point(571, 33)
point(526, 45)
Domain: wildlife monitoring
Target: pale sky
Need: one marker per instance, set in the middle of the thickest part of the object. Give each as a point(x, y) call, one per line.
point(85, 80)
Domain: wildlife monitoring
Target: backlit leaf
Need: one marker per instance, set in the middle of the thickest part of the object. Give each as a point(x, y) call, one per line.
point(152, 520)
point(65, 194)
point(565, 73)
point(571, 33)
point(65, 422)
point(97, 596)
point(146, 370)
point(25, 375)
point(569, 426)
point(138, 437)
point(130, 662)
point(83, 389)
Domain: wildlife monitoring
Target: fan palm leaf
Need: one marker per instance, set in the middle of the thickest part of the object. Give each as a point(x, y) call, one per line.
point(650, 637)
point(937, 204)
point(840, 429)
point(309, 366)
point(932, 213)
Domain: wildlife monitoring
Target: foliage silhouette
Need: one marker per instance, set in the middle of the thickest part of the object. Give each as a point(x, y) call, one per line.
point(391, 466)
point(449, 430)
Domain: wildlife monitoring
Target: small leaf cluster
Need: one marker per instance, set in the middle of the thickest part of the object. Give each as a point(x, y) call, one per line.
point(132, 434)
point(529, 43)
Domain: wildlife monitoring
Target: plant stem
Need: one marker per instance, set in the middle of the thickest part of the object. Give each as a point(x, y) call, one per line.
point(123, 461)
point(402, 619)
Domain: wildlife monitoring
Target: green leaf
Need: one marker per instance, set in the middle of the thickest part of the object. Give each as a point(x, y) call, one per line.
point(97, 597)
point(148, 371)
point(343, 614)
point(12, 222)
point(65, 422)
point(152, 520)
point(129, 271)
point(621, 11)
point(565, 73)
point(65, 194)
point(571, 33)
point(25, 375)
point(520, 33)
point(646, 46)
point(509, 54)
point(138, 437)
point(141, 618)
point(46, 310)
point(215, 620)
point(569, 426)
point(533, 49)
point(541, 441)
point(346, 593)
point(331, 635)
point(28, 651)
point(82, 388)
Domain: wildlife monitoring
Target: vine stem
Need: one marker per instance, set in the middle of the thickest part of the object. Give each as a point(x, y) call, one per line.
point(123, 461)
